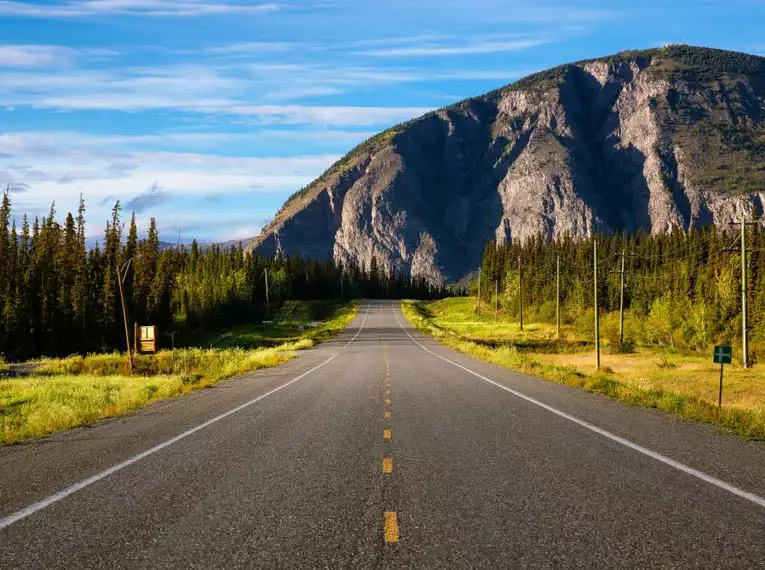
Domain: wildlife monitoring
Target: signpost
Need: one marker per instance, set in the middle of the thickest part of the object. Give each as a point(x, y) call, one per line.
point(722, 355)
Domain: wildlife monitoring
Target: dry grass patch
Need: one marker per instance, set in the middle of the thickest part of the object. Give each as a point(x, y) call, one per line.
point(681, 384)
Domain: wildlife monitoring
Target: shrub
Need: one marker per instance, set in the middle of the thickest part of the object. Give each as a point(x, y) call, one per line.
point(546, 313)
point(699, 326)
point(666, 364)
point(584, 321)
point(664, 321)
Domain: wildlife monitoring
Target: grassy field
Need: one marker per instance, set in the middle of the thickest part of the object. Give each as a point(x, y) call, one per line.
point(76, 391)
point(287, 324)
point(682, 383)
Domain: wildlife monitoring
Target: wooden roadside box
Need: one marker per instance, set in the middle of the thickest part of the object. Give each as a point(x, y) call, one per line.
point(146, 338)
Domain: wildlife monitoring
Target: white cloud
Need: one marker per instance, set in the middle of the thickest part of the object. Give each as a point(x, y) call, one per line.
point(32, 55)
point(457, 48)
point(250, 48)
point(44, 55)
point(338, 116)
point(58, 166)
point(206, 90)
point(86, 8)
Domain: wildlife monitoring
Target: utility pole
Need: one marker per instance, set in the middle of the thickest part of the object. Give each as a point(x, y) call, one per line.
point(557, 296)
point(124, 318)
point(496, 299)
point(621, 304)
point(744, 300)
point(268, 305)
point(520, 292)
point(744, 292)
point(478, 306)
point(597, 307)
point(121, 276)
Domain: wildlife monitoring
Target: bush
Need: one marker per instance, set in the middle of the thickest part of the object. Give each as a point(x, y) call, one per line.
point(756, 351)
point(699, 326)
point(584, 321)
point(546, 313)
point(664, 321)
point(666, 364)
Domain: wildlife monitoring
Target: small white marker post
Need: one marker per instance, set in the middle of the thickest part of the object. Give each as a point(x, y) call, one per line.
point(723, 355)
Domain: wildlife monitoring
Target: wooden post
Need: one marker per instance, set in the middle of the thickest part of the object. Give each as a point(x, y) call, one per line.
point(125, 318)
point(597, 306)
point(496, 299)
point(520, 291)
point(478, 306)
point(621, 306)
point(268, 304)
point(744, 300)
point(557, 296)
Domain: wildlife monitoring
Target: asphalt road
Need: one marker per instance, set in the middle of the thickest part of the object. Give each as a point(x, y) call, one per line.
point(315, 465)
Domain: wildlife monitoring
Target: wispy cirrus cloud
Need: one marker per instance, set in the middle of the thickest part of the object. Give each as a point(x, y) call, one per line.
point(25, 55)
point(206, 90)
point(458, 46)
point(249, 48)
point(86, 8)
point(59, 166)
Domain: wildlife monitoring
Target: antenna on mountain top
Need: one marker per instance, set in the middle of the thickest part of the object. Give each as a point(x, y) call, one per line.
point(178, 246)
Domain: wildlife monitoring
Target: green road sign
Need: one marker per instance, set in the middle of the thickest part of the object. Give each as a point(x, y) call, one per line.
point(723, 355)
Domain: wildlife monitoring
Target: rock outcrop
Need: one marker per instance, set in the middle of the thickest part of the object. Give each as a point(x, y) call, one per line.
point(649, 140)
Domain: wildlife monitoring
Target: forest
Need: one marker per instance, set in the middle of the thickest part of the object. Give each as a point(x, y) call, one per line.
point(681, 289)
point(59, 297)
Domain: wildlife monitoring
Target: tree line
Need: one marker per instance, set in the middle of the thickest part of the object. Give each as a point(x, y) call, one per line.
point(681, 289)
point(59, 297)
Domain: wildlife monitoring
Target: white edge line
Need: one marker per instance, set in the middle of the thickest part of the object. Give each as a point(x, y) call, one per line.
point(362, 325)
point(40, 505)
point(756, 499)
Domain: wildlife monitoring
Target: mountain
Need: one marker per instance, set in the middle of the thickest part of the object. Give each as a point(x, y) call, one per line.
point(654, 140)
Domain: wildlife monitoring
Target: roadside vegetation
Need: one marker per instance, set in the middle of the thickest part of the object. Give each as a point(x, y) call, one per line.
point(60, 297)
point(79, 390)
point(679, 381)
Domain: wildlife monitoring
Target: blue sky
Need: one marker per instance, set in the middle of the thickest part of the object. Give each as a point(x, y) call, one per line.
point(207, 114)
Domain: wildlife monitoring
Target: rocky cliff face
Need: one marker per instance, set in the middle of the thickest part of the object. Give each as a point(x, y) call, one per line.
point(649, 140)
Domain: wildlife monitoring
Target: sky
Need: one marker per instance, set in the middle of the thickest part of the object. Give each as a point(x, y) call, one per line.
point(208, 114)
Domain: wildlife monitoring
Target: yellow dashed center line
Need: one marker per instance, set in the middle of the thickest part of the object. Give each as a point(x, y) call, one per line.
point(391, 519)
point(391, 527)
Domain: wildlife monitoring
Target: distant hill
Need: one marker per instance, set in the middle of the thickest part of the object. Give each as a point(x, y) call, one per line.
point(651, 140)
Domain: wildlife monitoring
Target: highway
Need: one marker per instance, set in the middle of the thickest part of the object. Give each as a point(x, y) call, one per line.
point(384, 449)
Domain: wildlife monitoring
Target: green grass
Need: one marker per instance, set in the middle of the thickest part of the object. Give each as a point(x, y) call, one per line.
point(686, 389)
point(80, 390)
point(34, 407)
point(333, 317)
